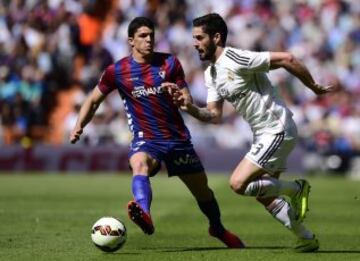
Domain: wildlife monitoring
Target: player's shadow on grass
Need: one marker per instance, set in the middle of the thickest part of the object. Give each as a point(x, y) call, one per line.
point(267, 247)
point(123, 253)
point(338, 251)
point(222, 248)
point(189, 249)
point(193, 249)
point(319, 251)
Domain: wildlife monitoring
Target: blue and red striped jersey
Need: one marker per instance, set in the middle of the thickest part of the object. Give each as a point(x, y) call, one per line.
point(149, 108)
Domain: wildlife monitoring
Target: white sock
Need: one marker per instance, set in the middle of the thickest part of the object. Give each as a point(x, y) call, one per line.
point(265, 187)
point(282, 211)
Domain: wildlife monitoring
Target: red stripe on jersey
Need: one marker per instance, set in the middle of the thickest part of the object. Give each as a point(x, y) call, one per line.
point(106, 83)
point(139, 114)
point(179, 75)
point(175, 111)
point(158, 113)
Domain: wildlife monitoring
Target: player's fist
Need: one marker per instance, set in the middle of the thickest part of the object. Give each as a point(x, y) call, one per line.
point(75, 135)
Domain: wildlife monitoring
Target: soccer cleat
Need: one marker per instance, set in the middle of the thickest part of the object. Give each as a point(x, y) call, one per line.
point(307, 245)
point(140, 217)
point(228, 238)
point(300, 201)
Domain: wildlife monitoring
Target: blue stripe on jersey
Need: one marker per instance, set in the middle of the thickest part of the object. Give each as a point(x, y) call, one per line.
point(145, 102)
point(171, 64)
point(164, 104)
point(176, 117)
point(127, 105)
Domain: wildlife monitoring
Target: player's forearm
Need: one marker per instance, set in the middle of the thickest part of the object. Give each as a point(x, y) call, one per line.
point(86, 113)
point(203, 114)
point(299, 70)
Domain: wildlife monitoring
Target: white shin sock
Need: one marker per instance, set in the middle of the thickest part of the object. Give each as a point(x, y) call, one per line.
point(282, 211)
point(265, 187)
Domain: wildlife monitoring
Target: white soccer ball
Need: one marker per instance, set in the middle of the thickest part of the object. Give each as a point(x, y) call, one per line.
point(108, 234)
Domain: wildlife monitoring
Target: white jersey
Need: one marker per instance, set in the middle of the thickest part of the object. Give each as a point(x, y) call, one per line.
point(239, 76)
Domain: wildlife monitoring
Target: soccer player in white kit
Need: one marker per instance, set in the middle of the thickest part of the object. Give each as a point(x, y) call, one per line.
point(239, 76)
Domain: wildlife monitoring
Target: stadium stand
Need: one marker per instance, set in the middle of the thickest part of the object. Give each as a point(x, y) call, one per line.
point(52, 50)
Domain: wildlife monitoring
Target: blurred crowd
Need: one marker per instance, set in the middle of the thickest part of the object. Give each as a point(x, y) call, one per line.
point(50, 46)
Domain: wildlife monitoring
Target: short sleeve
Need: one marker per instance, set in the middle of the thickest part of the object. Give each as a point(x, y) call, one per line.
point(106, 83)
point(212, 94)
point(178, 74)
point(244, 60)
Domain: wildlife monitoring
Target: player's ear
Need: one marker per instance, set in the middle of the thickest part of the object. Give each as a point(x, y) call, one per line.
point(131, 41)
point(217, 38)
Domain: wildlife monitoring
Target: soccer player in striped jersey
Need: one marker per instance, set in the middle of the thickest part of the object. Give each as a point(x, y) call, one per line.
point(239, 77)
point(159, 132)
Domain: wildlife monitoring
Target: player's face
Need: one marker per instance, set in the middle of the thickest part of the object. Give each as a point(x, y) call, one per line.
point(143, 41)
point(203, 44)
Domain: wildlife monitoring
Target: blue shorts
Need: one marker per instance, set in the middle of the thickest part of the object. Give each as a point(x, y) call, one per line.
point(179, 157)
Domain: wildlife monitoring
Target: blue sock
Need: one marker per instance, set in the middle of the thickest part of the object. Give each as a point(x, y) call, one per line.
point(141, 190)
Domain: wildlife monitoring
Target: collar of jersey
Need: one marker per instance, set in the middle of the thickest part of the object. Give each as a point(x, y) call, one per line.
point(220, 57)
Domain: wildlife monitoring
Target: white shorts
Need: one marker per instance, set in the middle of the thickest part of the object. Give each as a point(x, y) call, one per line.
point(270, 151)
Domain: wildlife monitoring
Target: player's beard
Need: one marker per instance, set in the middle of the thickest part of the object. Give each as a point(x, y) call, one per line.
point(209, 52)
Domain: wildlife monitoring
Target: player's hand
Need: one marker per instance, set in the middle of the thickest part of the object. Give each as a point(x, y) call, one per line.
point(320, 89)
point(170, 87)
point(183, 100)
point(173, 90)
point(180, 97)
point(75, 135)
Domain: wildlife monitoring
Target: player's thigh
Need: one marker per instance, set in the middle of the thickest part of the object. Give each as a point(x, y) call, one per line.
point(267, 155)
point(182, 159)
point(270, 151)
point(142, 163)
point(245, 172)
point(197, 183)
point(145, 157)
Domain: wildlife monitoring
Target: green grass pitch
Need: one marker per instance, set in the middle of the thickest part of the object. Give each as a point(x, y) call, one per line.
point(49, 217)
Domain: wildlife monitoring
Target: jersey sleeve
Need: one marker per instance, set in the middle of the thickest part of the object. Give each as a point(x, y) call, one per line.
point(106, 83)
point(212, 94)
point(244, 60)
point(179, 75)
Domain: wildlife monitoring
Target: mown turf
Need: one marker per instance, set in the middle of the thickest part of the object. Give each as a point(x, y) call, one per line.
point(48, 217)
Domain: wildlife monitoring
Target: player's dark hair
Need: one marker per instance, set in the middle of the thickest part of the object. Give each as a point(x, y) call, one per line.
point(211, 24)
point(138, 22)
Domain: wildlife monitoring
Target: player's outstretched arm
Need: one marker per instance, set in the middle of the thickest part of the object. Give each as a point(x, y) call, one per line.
point(182, 98)
point(212, 113)
point(295, 67)
point(86, 113)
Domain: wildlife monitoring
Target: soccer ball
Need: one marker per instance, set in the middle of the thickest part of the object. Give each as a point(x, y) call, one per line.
point(108, 234)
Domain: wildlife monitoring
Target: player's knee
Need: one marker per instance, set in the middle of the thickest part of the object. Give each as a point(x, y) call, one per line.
point(237, 185)
point(140, 167)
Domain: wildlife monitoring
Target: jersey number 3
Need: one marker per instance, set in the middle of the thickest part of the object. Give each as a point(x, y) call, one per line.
point(257, 149)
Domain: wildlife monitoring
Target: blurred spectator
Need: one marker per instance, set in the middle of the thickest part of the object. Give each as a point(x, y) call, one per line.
point(48, 47)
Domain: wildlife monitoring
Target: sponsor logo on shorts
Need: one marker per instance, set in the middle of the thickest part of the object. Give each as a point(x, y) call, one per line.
point(186, 160)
